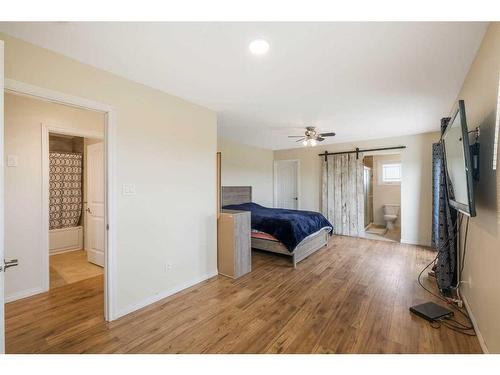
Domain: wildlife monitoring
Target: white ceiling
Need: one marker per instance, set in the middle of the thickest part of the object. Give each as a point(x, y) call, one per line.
point(361, 80)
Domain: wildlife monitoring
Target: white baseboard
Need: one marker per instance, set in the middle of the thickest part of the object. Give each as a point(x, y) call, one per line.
point(167, 293)
point(64, 251)
point(480, 338)
point(23, 294)
point(416, 242)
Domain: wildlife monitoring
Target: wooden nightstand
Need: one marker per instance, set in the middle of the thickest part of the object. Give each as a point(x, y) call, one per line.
point(234, 253)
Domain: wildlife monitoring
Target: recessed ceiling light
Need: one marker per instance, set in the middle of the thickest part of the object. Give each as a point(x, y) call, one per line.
point(259, 47)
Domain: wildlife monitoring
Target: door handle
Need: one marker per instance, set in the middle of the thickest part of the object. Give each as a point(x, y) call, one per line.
point(88, 210)
point(8, 264)
point(296, 198)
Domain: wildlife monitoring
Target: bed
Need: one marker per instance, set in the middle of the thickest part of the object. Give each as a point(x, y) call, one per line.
point(294, 233)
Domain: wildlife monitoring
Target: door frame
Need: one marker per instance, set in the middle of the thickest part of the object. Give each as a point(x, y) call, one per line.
point(21, 88)
point(2, 197)
point(275, 181)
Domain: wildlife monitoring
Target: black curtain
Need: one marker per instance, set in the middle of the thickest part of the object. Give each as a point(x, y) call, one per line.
point(444, 219)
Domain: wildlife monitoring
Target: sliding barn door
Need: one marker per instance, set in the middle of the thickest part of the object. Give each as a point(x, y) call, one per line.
point(343, 193)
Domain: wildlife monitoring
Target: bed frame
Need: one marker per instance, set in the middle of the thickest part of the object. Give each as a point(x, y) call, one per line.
point(243, 194)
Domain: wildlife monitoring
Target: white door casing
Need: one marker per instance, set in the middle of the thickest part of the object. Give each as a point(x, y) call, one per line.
point(94, 223)
point(286, 184)
point(2, 223)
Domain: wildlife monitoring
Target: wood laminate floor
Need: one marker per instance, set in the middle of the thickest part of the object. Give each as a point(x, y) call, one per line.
point(350, 297)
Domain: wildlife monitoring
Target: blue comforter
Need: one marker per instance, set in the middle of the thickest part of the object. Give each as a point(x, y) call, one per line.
point(290, 227)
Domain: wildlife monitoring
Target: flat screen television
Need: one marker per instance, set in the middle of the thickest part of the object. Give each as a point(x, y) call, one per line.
point(458, 163)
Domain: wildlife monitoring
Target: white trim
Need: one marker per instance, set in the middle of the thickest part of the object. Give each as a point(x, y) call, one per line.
point(425, 243)
point(66, 130)
point(26, 89)
point(275, 176)
point(480, 338)
point(63, 252)
point(110, 219)
point(497, 129)
point(2, 197)
point(21, 88)
point(23, 294)
point(167, 293)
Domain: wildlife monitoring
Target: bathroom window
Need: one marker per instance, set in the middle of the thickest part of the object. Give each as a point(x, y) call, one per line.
point(391, 173)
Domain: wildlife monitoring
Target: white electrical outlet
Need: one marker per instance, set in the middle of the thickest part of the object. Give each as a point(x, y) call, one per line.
point(168, 266)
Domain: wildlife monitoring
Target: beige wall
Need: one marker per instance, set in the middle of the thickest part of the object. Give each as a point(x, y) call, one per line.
point(383, 193)
point(416, 185)
point(248, 166)
point(482, 266)
point(172, 218)
point(23, 184)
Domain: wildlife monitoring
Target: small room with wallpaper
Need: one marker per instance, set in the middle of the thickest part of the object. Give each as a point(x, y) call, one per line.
point(251, 187)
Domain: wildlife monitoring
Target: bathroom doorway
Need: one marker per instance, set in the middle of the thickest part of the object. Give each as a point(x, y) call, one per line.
point(46, 189)
point(75, 187)
point(382, 197)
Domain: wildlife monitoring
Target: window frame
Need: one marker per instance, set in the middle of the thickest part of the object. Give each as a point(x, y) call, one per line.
point(380, 171)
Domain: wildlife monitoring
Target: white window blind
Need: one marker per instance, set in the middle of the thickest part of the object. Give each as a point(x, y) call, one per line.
point(391, 173)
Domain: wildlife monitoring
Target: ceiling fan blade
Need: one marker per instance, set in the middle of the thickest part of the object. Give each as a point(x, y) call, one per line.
point(320, 139)
point(327, 134)
point(300, 140)
point(295, 136)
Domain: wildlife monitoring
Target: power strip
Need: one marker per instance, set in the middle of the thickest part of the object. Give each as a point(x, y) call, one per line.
point(457, 302)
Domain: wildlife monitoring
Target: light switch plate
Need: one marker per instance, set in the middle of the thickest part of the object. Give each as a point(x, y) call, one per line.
point(12, 160)
point(128, 189)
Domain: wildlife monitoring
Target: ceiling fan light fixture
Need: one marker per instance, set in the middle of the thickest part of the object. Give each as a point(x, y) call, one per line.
point(259, 46)
point(311, 137)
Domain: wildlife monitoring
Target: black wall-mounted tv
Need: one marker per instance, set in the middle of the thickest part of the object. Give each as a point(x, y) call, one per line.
point(458, 163)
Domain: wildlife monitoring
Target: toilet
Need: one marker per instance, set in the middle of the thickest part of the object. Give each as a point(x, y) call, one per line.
point(391, 212)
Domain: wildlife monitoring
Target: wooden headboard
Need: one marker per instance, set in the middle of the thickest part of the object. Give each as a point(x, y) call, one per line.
point(236, 195)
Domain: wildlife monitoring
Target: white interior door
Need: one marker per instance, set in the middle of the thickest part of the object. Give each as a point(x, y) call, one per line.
point(2, 224)
point(286, 184)
point(94, 228)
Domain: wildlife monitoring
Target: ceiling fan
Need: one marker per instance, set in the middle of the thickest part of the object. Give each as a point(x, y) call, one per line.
point(311, 137)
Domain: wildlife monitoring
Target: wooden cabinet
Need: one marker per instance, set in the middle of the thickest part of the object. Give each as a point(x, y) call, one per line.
point(234, 254)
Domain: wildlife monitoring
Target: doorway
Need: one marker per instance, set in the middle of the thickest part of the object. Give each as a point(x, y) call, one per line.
point(106, 137)
point(45, 193)
point(286, 184)
point(75, 189)
point(382, 175)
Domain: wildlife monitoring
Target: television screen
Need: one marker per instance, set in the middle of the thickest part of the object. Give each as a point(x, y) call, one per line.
point(458, 163)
